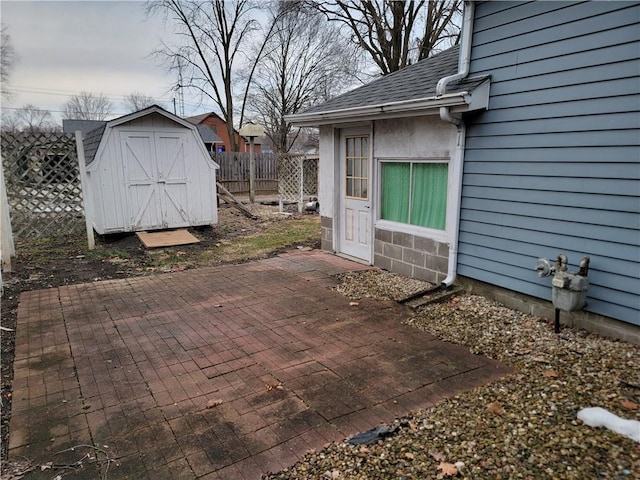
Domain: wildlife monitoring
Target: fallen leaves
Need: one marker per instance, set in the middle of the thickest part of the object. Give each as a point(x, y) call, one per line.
point(214, 403)
point(550, 374)
point(437, 456)
point(448, 469)
point(520, 443)
point(540, 359)
point(278, 386)
point(496, 408)
point(629, 405)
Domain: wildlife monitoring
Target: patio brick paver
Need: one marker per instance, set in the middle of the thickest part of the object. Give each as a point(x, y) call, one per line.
point(221, 372)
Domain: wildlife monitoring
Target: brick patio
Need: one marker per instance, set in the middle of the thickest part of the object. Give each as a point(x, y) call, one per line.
point(218, 373)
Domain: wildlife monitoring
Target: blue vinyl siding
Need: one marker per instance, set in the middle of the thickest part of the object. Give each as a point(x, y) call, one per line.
point(553, 165)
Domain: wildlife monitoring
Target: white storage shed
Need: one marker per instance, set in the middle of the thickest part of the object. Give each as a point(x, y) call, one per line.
point(148, 170)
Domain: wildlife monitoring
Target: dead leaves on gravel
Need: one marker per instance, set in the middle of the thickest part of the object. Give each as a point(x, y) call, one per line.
point(523, 426)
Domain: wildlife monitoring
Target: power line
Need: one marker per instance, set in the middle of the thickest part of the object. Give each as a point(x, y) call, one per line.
point(69, 94)
point(62, 111)
point(115, 97)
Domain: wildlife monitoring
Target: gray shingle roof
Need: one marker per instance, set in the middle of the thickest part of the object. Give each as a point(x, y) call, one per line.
point(91, 142)
point(85, 126)
point(207, 134)
point(417, 81)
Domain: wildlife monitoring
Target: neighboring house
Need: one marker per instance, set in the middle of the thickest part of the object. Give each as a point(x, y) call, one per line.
point(148, 170)
point(209, 137)
point(219, 127)
point(550, 163)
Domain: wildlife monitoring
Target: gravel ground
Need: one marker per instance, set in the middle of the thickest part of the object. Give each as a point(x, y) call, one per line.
point(378, 284)
point(524, 426)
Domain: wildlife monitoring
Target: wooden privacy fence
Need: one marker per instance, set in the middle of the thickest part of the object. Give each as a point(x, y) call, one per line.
point(234, 171)
point(42, 184)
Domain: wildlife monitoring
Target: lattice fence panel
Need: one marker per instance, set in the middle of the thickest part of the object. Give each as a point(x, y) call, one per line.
point(297, 178)
point(310, 176)
point(43, 184)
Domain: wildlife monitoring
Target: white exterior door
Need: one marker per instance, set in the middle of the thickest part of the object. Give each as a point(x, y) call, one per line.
point(140, 175)
point(355, 186)
point(171, 156)
point(155, 171)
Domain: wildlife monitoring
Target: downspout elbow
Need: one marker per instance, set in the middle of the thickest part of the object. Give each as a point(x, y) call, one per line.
point(446, 116)
point(465, 50)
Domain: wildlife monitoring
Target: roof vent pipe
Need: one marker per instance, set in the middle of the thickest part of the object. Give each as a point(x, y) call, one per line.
point(458, 158)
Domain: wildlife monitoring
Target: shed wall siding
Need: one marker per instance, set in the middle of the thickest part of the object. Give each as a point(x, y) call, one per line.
point(553, 165)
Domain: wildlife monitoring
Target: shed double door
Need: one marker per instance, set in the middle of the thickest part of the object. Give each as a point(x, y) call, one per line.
point(155, 171)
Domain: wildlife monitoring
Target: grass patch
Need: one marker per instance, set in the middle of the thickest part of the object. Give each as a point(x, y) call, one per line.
point(69, 257)
point(275, 237)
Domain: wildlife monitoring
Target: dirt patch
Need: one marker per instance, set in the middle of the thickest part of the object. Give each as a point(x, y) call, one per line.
point(54, 262)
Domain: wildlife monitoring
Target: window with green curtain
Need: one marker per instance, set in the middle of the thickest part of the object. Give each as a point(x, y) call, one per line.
point(414, 193)
point(395, 191)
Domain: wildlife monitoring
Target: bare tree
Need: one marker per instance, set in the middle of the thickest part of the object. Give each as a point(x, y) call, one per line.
point(137, 101)
point(214, 34)
point(305, 62)
point(8, 59)
point(30, 119)
point(87, 106)
point(396, 33)
point(9, 122)
point(33, 119)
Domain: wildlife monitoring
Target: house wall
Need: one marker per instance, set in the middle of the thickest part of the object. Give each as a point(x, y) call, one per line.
point(412, 254)
point(408, 252)
point(327, 185)
point(553, 164)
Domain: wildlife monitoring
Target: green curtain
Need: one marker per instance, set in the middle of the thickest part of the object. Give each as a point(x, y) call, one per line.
point(429, 195)
point(395, 191)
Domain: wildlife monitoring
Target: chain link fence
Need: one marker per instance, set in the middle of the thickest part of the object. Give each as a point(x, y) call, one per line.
point(43, 184)
point(297, 178)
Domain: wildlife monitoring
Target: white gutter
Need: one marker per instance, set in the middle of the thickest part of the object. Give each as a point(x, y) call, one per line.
point(453, 211)
point(401, 107)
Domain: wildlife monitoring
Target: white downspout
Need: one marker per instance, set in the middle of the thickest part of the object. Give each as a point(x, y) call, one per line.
point(458, 156)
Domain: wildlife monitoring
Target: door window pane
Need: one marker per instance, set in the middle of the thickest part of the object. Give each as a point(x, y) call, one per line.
point(357, 167)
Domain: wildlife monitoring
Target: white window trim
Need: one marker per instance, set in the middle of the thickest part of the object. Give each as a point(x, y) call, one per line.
point(431, 233)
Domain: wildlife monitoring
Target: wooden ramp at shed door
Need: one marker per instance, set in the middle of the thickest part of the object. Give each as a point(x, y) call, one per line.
point(166, 238)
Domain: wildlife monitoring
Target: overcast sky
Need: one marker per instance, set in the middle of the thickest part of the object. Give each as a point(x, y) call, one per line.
point(96, 46)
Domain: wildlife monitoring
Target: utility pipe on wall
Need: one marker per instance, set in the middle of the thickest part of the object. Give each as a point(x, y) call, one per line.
point(458, 156)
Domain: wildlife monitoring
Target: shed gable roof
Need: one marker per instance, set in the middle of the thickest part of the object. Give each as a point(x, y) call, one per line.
point(91, 142)
point(92, 139)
